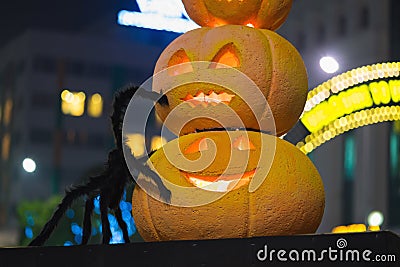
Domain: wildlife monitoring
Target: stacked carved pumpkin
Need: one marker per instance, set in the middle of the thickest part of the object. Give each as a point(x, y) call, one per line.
point(243, 181)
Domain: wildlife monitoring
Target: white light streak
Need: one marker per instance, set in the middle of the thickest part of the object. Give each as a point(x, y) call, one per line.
point(158, 15)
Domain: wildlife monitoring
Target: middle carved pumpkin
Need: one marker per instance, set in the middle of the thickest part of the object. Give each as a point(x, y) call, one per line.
point(207, 70)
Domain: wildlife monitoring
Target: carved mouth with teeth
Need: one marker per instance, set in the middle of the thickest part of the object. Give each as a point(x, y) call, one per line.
point(222, 183)
point(211, 98)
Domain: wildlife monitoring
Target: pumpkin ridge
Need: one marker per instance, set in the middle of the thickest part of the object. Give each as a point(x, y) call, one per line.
point(248, 219)
point(151, 216)
point(268, 109)
point(273, 60)
point(278, 88)
point(142, 214)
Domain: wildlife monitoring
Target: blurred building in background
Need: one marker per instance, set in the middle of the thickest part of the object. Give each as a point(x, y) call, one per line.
point(56, 92)
point(360, 167)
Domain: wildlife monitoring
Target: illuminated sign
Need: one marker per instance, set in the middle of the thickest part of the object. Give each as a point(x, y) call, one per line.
point(362, 96)
point(158, 15)
point(351, 100)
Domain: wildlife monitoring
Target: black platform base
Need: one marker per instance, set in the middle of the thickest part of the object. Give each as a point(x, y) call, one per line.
point(355, 249)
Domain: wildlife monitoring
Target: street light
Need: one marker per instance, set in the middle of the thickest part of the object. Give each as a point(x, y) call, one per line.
point(29, 165)
point(329, 64)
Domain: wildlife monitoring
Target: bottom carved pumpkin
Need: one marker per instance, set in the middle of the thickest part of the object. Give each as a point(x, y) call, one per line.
point(290, 200)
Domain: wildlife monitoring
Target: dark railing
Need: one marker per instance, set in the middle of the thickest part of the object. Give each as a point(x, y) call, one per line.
point(353, 249)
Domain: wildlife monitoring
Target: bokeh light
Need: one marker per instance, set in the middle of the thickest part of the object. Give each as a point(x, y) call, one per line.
point(329, 64)
point(375, 218)
point(117, 236)
point(29, 165)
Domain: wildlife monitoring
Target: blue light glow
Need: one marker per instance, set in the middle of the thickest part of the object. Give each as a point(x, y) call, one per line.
point(126, 215)
point(117, 235)
point(70, 213)
point(112, 220)
point(123, 205)
point(30, 221)
point(94, 231)
point(158, 15)
point(28, 232)
point(394, 154)
point(78, 239)
point(131, 227)
point(76, 229)
point(68, 243)
point(97, 205)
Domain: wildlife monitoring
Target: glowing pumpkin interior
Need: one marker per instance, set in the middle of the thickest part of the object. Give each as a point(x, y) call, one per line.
point(176, 63)
point(265, 14)
point(220, 182)
point(227, 57)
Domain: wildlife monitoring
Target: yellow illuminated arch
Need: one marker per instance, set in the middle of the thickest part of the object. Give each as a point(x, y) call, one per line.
point(359, 97)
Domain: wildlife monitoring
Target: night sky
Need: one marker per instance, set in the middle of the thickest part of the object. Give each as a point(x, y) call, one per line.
point(18, 16)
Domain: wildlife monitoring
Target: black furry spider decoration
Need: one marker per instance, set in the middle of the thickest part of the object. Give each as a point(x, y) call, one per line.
point(110, 184)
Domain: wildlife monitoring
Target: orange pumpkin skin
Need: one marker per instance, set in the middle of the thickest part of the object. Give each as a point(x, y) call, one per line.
point(263, 14)
point(289, 201)
point(265, 57)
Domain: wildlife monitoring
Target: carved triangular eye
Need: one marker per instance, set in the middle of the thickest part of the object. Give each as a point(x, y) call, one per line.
point(179, 63)
point(243, 143)
point(228, 55)
point(197, 146)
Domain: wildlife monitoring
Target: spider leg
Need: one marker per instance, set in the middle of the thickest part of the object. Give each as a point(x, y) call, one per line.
point(122, 224)
point(159, 98)
point(164, 192)
point(119, 176)
point(66, 202)
point(87, 220)
point(105, 224)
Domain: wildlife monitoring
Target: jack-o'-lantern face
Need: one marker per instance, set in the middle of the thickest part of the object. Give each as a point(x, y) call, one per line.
point(251, 72)
point(264, 14)
point(217, 161)
point(202, 167)
point(228, 171)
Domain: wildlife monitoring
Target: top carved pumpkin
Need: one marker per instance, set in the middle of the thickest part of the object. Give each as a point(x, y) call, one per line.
point(263, 14)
